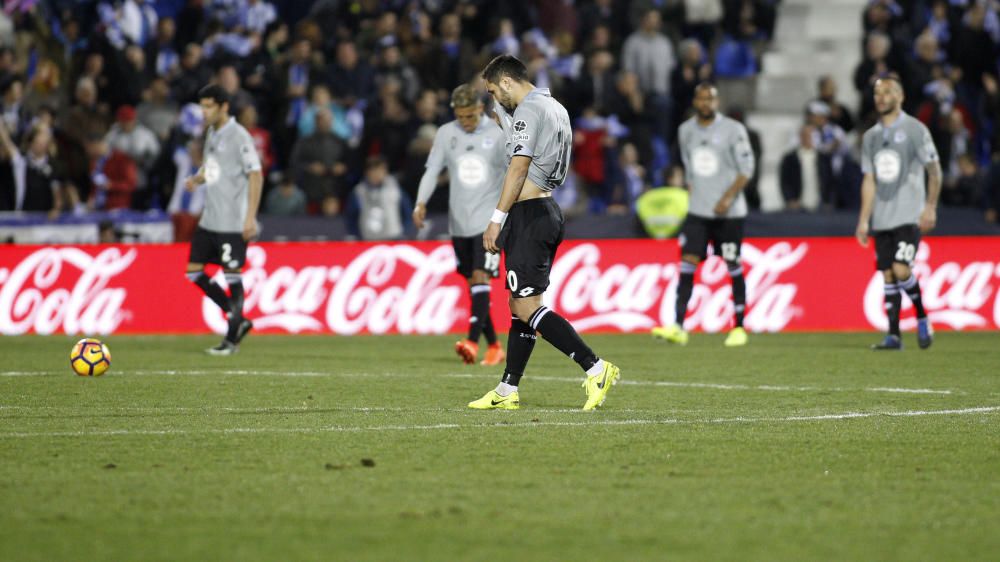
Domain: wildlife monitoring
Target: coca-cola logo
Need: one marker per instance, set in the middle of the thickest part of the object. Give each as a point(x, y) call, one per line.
point(29, 303)
point(953, 294)
point(638, 297)
point(385, 288)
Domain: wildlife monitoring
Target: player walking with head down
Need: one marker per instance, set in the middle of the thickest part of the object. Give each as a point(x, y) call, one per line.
point(472, 148)
point(232, 177)
point(894, 155)
point(718, 163)
point(539, 139)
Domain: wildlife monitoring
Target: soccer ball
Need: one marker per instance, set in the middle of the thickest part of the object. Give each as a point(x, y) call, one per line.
point(90, 358)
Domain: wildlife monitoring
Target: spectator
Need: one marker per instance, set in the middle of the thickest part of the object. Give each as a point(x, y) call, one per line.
point(831, 141)
point(255, 15)
point(87, 117)
point(391, 128)
point(130, 78)
point(14, 114)
point(317, 168)
point(953, 140)
point(261, 138)
point(875, 63)
point(650, 56)
point(805, 175)
point(966, 187)
point(186, 204)
point(113, 176)
point(44, 88)
point(138, 21)
point(295, 77)
point(923, 70)
point(603, 13)
point(391, 65)
point(378, 209)
point(158, 112)
point(839, 114)
point(32, 184)
point(975, 49)
point(352, 79)
point(693, 69)
point(596, 86)
point(320, 100)
point(193, 75)
point(161, 53)
point(629, 106)
point(286, 199)
point(229, 79)
point(628, 183)
point(452, 57)
point(701, 18)
point(134, 139)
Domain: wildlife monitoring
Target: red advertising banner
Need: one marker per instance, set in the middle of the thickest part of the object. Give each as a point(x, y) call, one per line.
point(411, 287)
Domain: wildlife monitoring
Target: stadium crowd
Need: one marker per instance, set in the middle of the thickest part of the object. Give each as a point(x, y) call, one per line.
point(99, 111)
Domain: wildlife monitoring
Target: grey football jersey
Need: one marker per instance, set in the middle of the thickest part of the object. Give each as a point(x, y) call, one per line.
point(476, 165)
point(896, 156)
point(229, 157)
point(713, 157)
point(540, 130)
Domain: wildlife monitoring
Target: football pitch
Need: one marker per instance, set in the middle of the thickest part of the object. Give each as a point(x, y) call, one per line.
point(797, 447)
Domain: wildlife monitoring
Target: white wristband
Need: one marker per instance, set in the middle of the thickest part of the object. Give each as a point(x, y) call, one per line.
point(498, 216)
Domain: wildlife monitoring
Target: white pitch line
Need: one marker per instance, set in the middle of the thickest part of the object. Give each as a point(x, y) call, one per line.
point(431, 427)
point(674, 384)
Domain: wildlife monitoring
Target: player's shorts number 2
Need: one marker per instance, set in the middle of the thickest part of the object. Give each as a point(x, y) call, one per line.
point(227, 252)
point(729, 251)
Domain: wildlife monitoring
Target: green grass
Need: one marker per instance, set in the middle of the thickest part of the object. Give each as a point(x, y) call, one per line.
point(232, 459)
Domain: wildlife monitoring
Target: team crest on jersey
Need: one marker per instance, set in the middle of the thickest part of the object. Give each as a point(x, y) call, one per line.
point(520, 125)
point(899, 137)
point(519, 134)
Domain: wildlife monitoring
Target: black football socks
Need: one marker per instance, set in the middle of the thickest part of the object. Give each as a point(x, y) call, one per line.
point(739, 293)
point(210, 288)
point(561, 334)
point(480, 295)
point(520, 342)
point(235, 282)
point(893, 302)
point(912, 289)
point(684, 288)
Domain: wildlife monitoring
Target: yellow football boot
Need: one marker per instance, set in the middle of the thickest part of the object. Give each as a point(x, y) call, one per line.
point(493, 401)
point(597, 386)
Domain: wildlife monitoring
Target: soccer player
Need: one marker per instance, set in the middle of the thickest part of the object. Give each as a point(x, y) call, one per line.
point(472, 148)
point(539, 139)
point(718, 163)
point(894, 155)
point(231, 173)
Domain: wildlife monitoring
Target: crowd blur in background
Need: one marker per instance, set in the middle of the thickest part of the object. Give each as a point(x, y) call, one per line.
point(98, 105)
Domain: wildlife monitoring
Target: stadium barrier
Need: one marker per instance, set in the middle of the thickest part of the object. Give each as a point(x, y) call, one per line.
point(800, 284)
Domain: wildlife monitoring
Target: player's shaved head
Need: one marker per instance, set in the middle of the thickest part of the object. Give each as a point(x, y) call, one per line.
point(505, 66)
point(707, 87)
point(891, 80)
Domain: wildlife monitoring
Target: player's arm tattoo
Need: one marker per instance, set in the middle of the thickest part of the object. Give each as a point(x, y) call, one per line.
point(933, 182)
point(513, 182)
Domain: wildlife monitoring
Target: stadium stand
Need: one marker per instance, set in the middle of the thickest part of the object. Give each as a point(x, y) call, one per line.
point(96, 97)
